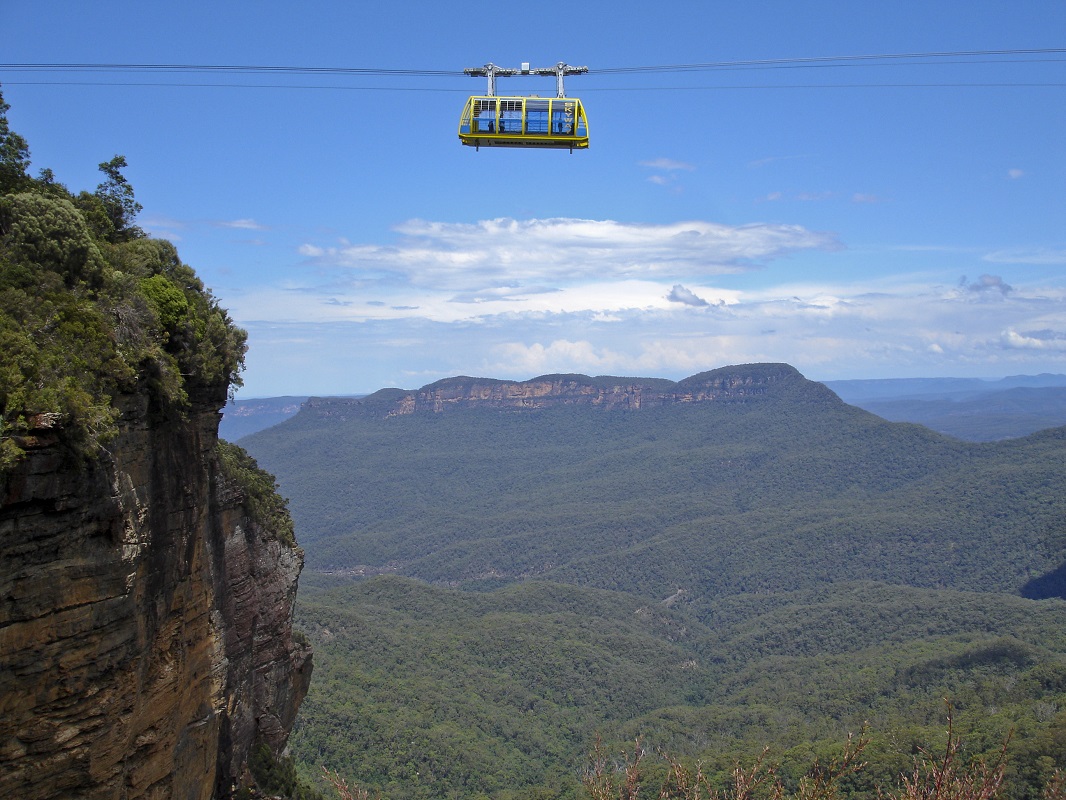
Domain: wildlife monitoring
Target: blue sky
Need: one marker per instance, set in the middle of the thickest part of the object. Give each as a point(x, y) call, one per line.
point(885, 218)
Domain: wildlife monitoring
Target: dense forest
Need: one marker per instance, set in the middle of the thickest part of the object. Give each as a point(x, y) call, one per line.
point(490, 591)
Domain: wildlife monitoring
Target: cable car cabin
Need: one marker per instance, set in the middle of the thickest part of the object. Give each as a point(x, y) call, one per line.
point(556, 122)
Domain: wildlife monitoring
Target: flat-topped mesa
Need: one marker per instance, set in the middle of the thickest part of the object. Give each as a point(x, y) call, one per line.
point(744, 383)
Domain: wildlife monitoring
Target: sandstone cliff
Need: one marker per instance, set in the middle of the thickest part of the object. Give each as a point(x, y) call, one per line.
point(736, 384)
point(145, 616)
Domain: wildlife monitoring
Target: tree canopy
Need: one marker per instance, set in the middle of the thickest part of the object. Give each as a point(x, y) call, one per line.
point(91, 308)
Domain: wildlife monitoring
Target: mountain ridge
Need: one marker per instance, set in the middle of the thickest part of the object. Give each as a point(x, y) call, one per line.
point(740, 383)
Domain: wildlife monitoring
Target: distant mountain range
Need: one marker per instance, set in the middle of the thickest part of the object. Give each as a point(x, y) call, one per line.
point(972, 409)
point(880, 389)
point(243, 417)
point(967, 408)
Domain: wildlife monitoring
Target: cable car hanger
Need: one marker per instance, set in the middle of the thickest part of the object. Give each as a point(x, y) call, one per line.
point(491, 120)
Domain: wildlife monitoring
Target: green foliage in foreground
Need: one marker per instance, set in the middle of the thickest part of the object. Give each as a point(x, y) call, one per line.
point(90, 309)
point(423, 691)
point(261, 497)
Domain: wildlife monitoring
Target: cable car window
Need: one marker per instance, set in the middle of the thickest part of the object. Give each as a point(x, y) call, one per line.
point(536, 116)
point(510, 116)
point(484, 116)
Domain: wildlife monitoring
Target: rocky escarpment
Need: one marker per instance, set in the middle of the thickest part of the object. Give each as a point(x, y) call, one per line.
point(744, 383)
point(145, 616)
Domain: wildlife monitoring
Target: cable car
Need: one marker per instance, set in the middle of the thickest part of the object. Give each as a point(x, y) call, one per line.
point(558, 122)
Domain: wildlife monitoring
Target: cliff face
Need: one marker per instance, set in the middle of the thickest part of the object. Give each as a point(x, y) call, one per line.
point(145, 617)
point(745, 383)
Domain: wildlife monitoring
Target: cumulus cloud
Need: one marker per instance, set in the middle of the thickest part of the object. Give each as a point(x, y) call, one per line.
point(473, 256)
point(1034, 340)
point(561, 355)
point(679, 294)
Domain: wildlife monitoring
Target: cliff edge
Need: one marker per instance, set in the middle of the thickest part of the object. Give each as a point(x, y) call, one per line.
point(147, 571)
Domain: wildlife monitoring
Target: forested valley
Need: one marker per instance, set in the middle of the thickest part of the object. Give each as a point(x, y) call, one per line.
point(490, 592)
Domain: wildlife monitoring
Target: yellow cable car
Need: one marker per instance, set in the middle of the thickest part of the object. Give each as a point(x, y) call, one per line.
point(557, 122)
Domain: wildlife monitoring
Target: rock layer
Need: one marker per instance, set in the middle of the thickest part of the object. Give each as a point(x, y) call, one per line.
point(145, 618)
point(738, 384)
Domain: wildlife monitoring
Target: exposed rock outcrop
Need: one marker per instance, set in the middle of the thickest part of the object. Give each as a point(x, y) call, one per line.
point(745, 383)
point(145, 617)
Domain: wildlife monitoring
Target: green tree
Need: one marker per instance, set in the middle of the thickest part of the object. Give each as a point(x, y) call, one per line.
point(116, 194)
point(169, 302)
point(14, 155)
point(48, 232)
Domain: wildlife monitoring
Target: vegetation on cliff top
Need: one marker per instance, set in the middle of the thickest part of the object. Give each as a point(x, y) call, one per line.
point(91, 308)
point(260, 491)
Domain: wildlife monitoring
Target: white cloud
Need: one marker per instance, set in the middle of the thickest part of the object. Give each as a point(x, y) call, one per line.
point(899, 325)
point(156, 221)
point(558, 356)
point(506, 251)
point(513, 299)
point(1014, 174)
point(1035, 340)
point(241, 224)
point(668, 164)
point(1026, 256)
